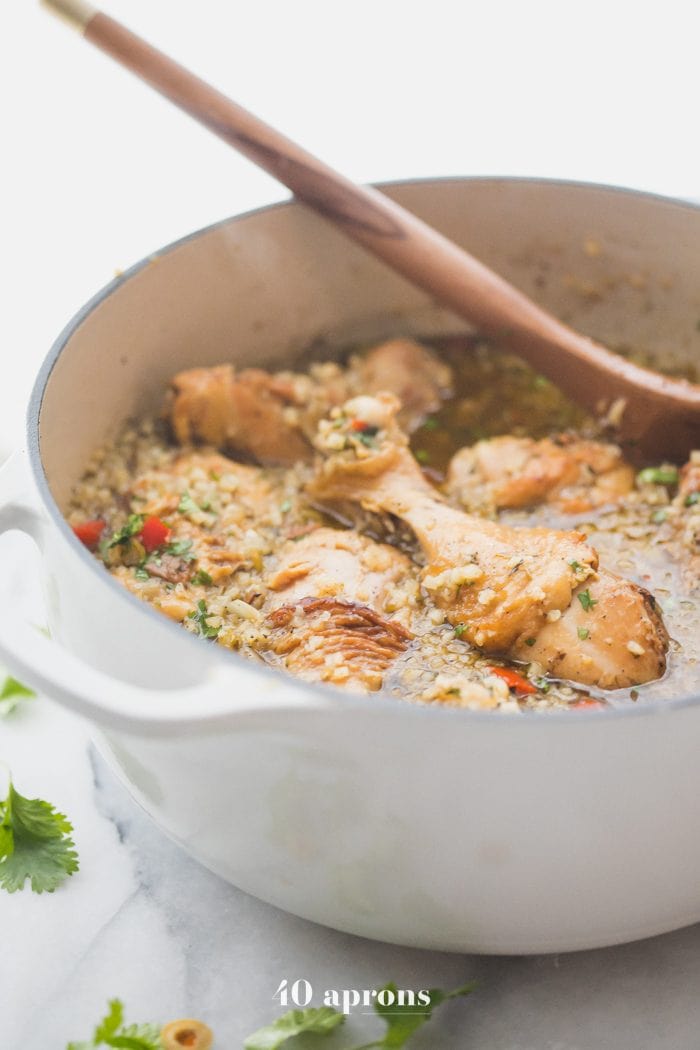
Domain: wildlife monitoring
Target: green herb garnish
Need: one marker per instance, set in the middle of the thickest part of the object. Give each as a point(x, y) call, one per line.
point(431, 424)
point(180, 549)
point(576, 565)
point(587, 602)
point(134, 524)
point(199, 615)
point(583, 633)
point(422, 455)
point(529, 641)
point(187, 505)
point(658, 476)
point(460, 629)
point(12, 693)
point(321, 1020)
point(402, 1020)
point(35, 844)
point(691, 499)
point(111, 1031)
point(659, 516)
point(202, 578)
point(141, 573)
point(286, 506)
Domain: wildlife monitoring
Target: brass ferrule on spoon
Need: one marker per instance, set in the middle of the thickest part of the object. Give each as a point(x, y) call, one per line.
point(75, 13)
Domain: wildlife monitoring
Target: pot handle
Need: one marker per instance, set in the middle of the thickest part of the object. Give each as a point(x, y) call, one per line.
point(49, 668)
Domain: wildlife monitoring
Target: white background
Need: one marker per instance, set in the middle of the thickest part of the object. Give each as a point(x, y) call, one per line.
point(97, 171)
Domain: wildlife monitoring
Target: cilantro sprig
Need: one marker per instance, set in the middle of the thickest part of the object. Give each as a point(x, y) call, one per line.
point(402, 1021)
point(321, 1020)
point(35, 844)
point(111, 1031)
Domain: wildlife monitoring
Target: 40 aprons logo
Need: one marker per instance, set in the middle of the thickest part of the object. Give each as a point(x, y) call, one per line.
point(300, 993)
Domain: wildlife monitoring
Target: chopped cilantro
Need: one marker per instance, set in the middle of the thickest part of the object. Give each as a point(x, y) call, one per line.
point(540, 382)
point(658, 476)
point(141, 573)
point(181, 549)
point(460, 629)
point(422, 455)
point(12, 693)
point(587, 602)
point(659, 516)
point(529, 641)
point(583, 633)
point(35, 844)
point(321, 1020)
point(431, 424)
point(367, 437)
point(199, 615)
point(187, 505)
point(202, 578)
point(134, 524)
point(542, 684)
point(111, 1031)
point(691, 499)
point(576, 565)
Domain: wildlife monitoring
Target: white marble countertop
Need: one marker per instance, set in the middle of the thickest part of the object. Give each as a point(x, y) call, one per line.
point(97, 173)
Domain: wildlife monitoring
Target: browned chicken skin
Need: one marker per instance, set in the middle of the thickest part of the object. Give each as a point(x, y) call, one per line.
point(574, 474)
point(414, 375)
point(333, 593)
point(272, 418)
point(514, 591)
point(243, 412)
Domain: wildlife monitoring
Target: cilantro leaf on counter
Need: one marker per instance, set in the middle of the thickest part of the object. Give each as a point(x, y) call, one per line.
point(35, 844)
point(12, 693)
point(111, 1031)
point(403, 1021)
point(321, 1020)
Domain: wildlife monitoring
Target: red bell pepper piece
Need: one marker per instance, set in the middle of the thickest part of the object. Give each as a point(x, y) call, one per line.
point(513, 680)
point(154, 534)
point(590, 704)
point(89, 532)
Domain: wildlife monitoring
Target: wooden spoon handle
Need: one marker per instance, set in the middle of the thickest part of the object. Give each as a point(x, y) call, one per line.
point(589, 373)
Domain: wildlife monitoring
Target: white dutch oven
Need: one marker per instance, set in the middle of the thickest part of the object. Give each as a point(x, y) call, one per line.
point(419, 825)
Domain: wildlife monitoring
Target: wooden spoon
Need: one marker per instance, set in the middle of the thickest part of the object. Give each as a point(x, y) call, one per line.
point(656, 417)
